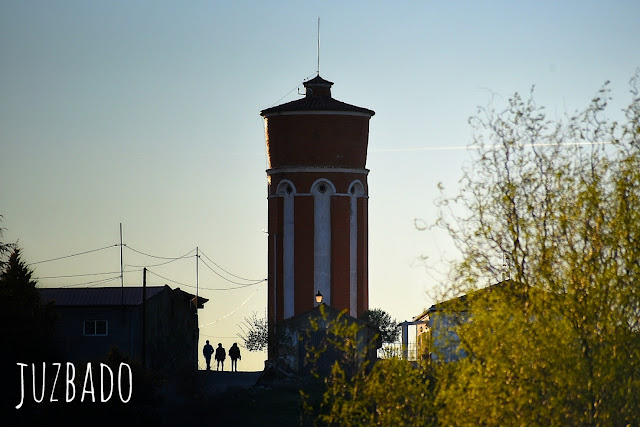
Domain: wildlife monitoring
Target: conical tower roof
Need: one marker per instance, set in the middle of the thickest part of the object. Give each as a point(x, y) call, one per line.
point(317, 98)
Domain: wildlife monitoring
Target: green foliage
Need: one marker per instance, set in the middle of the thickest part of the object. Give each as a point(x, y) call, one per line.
point(358, 392)
point(340, 338)
point(555, 339)
point(394, 392)
point(561, 344)
point(388, 327)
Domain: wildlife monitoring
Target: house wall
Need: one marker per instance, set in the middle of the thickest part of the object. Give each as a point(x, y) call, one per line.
point(71, 343)
point(445, 343)
point(172, 331)
point(171, 339)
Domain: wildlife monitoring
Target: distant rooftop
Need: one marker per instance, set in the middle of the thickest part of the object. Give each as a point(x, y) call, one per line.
point(110, 296)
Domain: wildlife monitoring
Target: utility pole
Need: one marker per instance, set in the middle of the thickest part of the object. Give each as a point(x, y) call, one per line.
point(197, 257)
point(121, 268)
point(144, 318)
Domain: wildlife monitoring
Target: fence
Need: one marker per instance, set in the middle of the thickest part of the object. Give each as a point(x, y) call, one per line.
point(394, 350)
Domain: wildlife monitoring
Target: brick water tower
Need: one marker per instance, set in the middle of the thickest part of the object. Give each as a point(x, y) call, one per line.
point(317, 191)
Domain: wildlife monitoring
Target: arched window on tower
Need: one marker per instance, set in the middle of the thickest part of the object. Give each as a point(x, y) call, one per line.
point(322, 190)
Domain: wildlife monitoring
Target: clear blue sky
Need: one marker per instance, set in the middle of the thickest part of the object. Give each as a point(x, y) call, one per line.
point(146, 113)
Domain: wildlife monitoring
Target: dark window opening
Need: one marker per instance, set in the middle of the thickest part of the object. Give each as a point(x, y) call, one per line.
point(95, 327)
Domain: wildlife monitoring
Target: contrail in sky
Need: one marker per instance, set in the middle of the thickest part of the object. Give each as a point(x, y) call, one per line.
point(407, 150)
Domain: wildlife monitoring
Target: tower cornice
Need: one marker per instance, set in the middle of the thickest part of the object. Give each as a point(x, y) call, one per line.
point(311, 169)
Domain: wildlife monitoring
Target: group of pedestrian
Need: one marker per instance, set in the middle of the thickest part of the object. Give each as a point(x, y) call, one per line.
point(221, 355)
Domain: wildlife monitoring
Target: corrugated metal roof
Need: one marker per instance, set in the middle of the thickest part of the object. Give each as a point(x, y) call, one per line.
point(97, 296)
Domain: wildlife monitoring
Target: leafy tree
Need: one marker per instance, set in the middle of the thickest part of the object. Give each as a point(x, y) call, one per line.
point(392, 393)
point(255, 333)
point(548, 226)
point(355, 392)
point(389, 329)
point(25, 325)
point(560, 200)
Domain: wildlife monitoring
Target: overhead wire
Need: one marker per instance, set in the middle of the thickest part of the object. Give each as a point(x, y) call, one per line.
point(169, 280)
point(233, 311)
point(255, 282)
point(93, 283)
point(157, 265)
point(252, 282)
point(74, 255)
point(80, 275)
point(235, 287)
point(203, 287)
point(297, 87)
point(231, 274)
point(160, 257)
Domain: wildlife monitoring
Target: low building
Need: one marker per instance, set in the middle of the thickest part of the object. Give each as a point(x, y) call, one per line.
point(313, 341)
point(437, 339)
point(161, 329)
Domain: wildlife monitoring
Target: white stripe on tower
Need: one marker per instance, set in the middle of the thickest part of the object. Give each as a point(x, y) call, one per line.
point(355, 190)
point(322, 191)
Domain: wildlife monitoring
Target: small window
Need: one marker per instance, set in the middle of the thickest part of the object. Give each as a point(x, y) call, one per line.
point(95, 327)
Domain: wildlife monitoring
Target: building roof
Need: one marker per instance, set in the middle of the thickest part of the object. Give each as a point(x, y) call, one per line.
point(460, 303)
point(317, 98)
point(110, 296)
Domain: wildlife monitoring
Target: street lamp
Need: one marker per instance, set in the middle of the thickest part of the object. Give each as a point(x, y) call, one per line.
point(319, 298)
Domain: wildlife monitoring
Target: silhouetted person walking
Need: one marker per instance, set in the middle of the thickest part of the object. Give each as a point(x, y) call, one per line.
point(221, 354)
point(208, 351)
point(234, 355)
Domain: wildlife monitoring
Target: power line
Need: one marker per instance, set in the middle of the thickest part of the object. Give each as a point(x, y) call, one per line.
point(79, 275)
point(253, 282)
point(235, 287)
point(86, 274)
point(206, 289)
point(287, 94)
point(73, 255)
point(242, 285)
point(231, 274)
point(160, 257)
point(172, 281)
point(233, 311)
point(95, 282)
